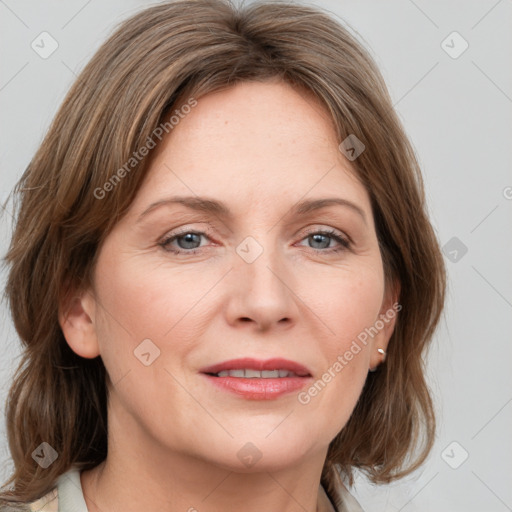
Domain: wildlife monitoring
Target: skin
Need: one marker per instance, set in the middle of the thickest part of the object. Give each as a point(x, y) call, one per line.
point(260, 148)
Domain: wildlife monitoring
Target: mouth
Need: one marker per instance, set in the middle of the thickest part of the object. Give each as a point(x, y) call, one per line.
point(248, 373)
point(258, 380)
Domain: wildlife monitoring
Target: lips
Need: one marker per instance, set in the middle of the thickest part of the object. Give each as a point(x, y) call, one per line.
point(253, 379)
point(249, 368)
point(256, 374)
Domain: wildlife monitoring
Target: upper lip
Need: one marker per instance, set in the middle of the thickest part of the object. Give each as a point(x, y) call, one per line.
point(258, 364)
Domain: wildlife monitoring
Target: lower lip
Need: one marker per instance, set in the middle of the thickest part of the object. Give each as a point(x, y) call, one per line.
point(259, 389)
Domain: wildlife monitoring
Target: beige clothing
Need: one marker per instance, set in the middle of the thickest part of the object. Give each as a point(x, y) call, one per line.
point(68, 497)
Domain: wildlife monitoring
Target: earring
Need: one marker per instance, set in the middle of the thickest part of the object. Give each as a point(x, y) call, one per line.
point(383, 353)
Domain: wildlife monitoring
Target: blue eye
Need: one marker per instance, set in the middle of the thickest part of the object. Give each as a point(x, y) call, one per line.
point(189, 242)
point(323, 239)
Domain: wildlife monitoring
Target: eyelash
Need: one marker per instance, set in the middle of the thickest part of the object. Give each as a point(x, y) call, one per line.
point(344, 243)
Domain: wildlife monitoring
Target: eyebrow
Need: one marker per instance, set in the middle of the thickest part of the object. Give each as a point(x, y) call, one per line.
point(215, 207)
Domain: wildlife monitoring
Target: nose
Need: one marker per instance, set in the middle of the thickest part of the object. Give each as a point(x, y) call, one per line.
point(261, 293)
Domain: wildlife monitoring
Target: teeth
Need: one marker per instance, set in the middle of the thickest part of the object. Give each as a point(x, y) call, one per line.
point(236, 373)
point(256, 374)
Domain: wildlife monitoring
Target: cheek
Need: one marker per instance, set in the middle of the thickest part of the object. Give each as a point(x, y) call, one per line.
point(348, 301)
point(144, 319)
point(146, 302)
point(349, 308)
point(354, 311)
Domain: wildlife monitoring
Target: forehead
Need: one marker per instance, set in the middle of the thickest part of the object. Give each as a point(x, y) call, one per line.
point(254, 142)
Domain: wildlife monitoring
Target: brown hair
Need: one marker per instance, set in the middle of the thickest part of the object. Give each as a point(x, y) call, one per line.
point(155, 59)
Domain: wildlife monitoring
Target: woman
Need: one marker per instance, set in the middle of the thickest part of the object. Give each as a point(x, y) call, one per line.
point(223, 274)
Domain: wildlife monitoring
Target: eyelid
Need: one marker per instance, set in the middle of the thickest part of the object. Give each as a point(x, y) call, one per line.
point(185, 229)
point(318, 228)
point(176, 233)
point(343, 240)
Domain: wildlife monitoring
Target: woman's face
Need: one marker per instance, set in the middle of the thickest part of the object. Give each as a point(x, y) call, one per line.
point(228, 253)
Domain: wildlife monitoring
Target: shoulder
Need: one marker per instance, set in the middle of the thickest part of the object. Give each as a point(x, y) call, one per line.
point(341, 498)
point(66, 495)
point(48, 503)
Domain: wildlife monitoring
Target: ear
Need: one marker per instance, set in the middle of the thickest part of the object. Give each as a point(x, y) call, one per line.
point(76, 319)
point(385, 324)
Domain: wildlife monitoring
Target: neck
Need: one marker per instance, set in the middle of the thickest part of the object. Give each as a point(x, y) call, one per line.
point(141, 474)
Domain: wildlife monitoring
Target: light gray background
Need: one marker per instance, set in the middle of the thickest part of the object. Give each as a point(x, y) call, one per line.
point(457, 114)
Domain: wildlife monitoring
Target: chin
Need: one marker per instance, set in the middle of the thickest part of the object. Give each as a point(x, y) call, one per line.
point(254, 452)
